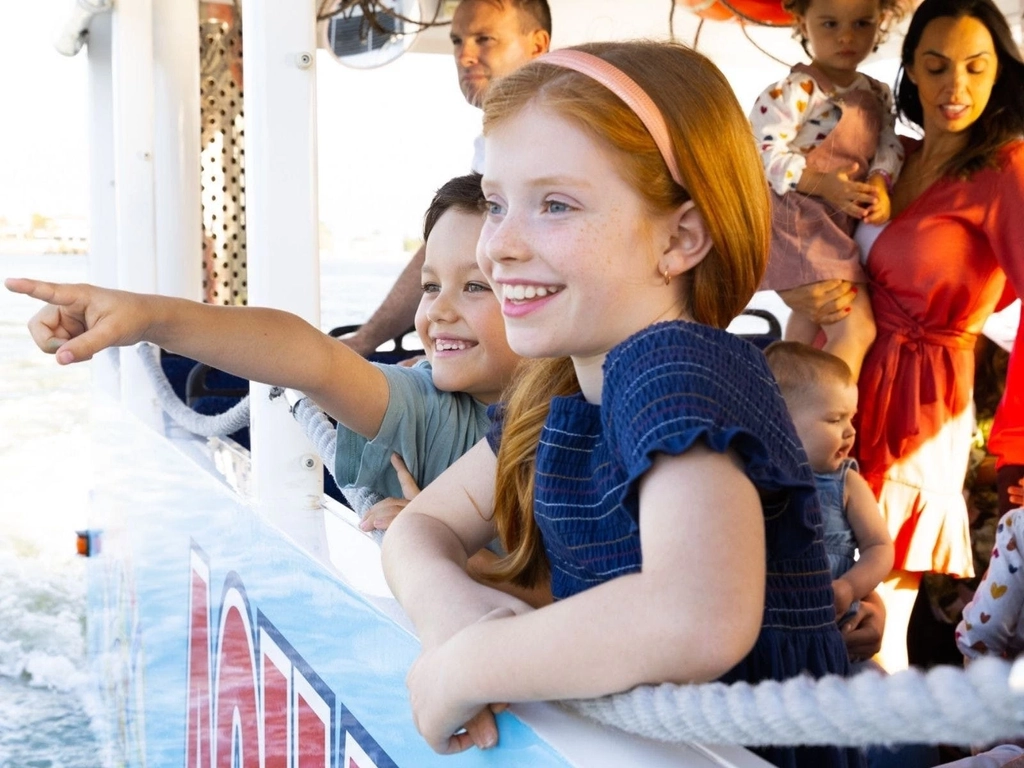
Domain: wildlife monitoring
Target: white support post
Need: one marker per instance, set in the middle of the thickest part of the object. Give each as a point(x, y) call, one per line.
point(102, 217)
point(279, 66)
point(132, 77)
point(176, 177)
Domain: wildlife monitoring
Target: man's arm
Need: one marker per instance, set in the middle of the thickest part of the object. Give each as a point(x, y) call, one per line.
point(396, 312)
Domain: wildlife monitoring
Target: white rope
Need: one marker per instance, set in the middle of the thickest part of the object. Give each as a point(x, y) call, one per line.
point(232, 420)
point(316, 426)
point(324, 437)
point(946, 705)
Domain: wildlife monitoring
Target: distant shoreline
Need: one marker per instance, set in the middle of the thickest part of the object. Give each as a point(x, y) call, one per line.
point(43, 246)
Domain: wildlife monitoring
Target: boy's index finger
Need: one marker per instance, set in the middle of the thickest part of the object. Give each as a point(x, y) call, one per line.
point(51, 293)
point(409, 487)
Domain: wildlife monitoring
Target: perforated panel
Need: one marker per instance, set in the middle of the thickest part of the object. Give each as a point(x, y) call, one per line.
point(225, 277)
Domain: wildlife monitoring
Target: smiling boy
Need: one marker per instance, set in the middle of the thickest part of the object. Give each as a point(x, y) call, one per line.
point(430, 415)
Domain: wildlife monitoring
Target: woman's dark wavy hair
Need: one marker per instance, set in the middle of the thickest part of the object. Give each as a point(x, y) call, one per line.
point(1003, 118)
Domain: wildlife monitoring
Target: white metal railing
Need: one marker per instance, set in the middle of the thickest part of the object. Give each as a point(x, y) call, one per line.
point(72, 35)
point(279, 71)
point(145, 187)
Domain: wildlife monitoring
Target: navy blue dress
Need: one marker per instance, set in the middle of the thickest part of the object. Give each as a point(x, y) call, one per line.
point(666, 388)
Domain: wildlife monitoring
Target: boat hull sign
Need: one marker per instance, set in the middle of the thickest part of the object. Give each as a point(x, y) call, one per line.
point(219, 643)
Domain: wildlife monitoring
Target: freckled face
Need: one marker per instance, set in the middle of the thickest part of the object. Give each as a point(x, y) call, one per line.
point(570, 247)
point(458, 320)
point(955, 67)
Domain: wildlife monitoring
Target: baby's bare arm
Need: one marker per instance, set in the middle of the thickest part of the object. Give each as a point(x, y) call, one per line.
point(872, 535)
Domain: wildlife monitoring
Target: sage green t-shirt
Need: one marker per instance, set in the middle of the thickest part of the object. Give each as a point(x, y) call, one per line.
point(428, 428)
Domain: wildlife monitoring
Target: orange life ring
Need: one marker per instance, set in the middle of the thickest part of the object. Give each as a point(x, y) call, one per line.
point(765, 12)
point(713, 10)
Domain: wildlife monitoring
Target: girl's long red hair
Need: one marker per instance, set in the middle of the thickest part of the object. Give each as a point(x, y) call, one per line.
point(721, 173)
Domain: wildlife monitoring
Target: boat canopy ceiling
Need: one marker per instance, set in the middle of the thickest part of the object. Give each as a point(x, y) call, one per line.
point(730, 42)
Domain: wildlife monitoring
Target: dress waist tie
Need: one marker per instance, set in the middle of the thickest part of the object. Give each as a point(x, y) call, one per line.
point(901, 339)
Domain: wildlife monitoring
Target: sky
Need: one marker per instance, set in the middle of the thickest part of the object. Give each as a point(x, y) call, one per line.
point(42, 128)
point(380, 158)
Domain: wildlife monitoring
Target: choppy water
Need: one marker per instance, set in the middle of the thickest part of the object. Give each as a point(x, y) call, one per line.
point(47, 705)
point(44, 707)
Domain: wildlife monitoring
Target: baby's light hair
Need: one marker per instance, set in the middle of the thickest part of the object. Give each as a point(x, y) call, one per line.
point(801, 369)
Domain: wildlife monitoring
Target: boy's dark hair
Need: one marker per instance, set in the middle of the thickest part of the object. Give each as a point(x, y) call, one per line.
point(462, 193)
point(1003, 118)
point(800, 368)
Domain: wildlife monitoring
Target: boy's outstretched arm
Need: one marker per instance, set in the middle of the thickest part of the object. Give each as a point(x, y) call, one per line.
point(873, 541)
point(265, 345)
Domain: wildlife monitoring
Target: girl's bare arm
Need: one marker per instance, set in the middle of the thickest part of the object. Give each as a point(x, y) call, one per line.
point(428, 546)
point(701, 550)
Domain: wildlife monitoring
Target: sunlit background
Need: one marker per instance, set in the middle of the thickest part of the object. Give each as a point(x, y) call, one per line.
point(387, 139)
point(379, 168)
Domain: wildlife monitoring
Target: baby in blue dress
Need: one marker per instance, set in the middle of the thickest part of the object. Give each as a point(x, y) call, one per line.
point(821, 395)
point(644, 462)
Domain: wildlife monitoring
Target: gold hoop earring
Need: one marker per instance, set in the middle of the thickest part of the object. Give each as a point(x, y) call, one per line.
point(667, 276)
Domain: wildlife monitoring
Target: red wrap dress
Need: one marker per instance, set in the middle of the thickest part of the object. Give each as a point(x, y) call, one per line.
point(937, 271)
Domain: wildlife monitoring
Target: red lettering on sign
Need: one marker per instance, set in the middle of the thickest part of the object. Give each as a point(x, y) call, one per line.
point(275, 715)
point(274, 712)
point(312, 733)
point(197, 718)
point(237, 713)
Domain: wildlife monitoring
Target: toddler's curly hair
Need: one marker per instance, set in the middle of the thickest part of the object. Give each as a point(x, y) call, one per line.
point(891, 11)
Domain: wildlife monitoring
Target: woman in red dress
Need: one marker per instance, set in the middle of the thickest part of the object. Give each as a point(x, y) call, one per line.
point(938, 269)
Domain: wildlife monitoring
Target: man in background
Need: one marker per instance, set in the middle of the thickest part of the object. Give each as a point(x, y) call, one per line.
point(490, 39)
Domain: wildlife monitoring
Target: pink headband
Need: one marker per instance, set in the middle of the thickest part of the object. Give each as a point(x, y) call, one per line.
point(623, 86)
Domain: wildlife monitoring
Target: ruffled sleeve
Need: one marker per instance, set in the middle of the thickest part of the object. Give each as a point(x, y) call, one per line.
point(776, 118)
point(991, 621)
point(889, 155)
point(678, 383)
point(1004, 226)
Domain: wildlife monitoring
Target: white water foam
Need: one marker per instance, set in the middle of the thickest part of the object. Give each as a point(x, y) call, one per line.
point(44, 691)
